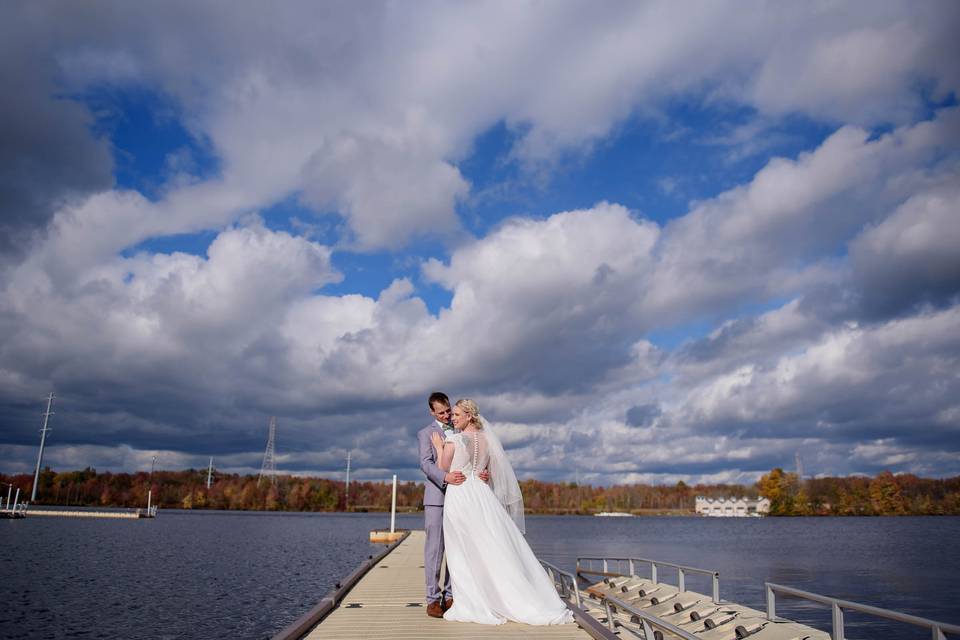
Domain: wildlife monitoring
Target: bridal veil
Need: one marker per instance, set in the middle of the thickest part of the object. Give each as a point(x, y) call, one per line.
point(503, 480)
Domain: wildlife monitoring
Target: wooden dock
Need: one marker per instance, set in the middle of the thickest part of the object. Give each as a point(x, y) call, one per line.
point(125, 515)
point(388, 602)
point(383, 598)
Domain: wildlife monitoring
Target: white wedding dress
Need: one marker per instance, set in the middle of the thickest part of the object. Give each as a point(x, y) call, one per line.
point(494, 575)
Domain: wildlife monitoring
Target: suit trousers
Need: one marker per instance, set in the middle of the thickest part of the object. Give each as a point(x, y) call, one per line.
point(433, 554)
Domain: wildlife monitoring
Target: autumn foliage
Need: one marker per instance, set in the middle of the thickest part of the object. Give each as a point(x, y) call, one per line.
point(885, 494)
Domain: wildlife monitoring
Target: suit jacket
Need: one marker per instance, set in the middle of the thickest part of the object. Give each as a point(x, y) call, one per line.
point(435, 485)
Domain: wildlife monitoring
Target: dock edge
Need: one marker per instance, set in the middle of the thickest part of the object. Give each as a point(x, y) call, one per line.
point(302, 625)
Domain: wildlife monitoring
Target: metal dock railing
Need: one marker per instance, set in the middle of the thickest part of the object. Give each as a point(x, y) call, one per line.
point(837, 606)
point(653, 610)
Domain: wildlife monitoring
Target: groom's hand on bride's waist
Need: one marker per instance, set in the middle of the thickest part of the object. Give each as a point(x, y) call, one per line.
point(454, 477)
point(484, 475)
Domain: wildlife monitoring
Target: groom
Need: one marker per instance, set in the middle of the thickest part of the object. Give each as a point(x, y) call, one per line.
point(436, 484)
point(437, 480)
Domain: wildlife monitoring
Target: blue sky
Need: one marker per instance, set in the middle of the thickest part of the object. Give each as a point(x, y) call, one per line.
point(654, 168)
point(744, 232)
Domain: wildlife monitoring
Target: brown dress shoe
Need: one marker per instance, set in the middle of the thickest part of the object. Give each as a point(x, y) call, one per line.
point(447, 604)
point(435, 610)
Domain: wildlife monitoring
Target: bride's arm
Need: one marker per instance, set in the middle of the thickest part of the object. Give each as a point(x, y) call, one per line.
point(444, 451)
point(485, 472)
point(447, 458)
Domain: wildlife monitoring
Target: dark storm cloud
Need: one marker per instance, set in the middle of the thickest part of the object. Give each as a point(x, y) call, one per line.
point(757, 464)
point(48, 155)
point(643, 415)
point(911, 260)
point(895, 381)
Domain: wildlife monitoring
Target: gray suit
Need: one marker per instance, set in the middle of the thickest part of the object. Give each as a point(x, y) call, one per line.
point(433, 514)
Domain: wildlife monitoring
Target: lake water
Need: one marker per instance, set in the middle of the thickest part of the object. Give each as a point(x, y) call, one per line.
point(247, 575)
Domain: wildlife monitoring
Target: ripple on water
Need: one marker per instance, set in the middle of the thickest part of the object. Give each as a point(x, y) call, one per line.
point(247, 575)
point(185, 574)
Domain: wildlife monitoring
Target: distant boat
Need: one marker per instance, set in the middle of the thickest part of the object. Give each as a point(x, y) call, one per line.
point(614, 514)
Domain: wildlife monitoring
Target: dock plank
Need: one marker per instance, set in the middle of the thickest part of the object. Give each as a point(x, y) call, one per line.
point(388, 602)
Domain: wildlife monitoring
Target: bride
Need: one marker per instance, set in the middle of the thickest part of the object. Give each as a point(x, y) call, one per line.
point(494, 574)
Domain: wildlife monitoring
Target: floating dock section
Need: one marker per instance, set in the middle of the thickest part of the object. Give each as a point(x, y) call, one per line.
point(12, 508)
point(126, 515)
point(385, 536)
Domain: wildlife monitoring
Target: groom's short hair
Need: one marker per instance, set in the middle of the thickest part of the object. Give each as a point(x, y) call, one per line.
point(437, 396)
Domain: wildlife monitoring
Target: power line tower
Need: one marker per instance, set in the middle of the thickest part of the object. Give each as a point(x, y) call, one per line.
point(43, 438)
point(799, 463)
point(346, 492)
point(269, 466)
point(210, 472)
point(579, 493)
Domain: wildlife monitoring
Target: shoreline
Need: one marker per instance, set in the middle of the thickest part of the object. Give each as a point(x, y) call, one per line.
point(635, 513)
point(788, 495)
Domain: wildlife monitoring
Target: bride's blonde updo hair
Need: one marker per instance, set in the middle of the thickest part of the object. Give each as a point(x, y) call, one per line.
point(470, 407)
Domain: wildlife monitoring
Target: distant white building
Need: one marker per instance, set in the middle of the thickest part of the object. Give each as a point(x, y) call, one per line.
point(732, 507)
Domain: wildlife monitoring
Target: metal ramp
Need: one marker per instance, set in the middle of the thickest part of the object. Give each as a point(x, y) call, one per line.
point(641, 606)
point(634, 606)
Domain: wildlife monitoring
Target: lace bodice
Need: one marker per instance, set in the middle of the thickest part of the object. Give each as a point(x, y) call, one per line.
point(470, 454)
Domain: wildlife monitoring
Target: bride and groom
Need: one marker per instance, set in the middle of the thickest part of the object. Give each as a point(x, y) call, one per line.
point(473, 510)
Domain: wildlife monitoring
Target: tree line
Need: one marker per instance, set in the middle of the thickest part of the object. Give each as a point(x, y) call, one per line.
point(884, 494)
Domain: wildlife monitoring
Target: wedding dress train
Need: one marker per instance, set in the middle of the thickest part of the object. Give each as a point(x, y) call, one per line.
point(493, 572)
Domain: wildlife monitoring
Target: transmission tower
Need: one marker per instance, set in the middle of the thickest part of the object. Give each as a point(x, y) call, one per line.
point(269, 466)
point(799, 464)
point(43, 438)
point(210, 472)
point(579, 493)
point(346, 493)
